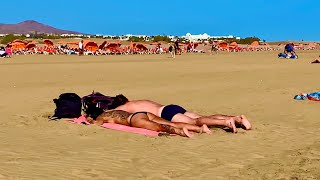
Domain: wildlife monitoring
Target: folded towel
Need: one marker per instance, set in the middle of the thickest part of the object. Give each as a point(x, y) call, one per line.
point(146, 132)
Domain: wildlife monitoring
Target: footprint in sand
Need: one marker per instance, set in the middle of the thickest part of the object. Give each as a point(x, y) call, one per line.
point(233, 165)
point(87, 173)
point(257, 156)
point(3, 177)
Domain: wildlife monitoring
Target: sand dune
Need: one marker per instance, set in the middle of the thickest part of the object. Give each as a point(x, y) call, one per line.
point(283, 145)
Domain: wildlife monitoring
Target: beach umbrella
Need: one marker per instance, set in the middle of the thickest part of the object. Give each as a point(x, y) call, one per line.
point(19, 41)
point(48, 42)
point(30, 45)
point(17, 45)
point(141, 47)
point(90, 45)
point(113, 45)
point(223, 45)
point(235, 44)
point(255, 43)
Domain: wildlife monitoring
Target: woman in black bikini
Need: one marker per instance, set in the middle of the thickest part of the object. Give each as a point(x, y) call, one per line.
point(148, 121)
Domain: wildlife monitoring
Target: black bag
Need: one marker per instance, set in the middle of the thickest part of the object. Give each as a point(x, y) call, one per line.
point(68, 105)
point(94, 104)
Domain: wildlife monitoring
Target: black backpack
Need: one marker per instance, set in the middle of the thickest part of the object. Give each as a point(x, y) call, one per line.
point(68, 105)
point(94, 104)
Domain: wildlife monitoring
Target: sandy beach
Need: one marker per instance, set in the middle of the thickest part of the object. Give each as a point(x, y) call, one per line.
point(284, 143)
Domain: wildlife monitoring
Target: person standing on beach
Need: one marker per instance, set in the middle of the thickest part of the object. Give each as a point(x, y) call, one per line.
point(176, 47)
point(214, 47)
point(81, 48)
point(172, 51)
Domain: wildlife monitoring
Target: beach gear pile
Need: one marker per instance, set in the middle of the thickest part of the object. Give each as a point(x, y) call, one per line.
point(69, 106)
point(312, 96)
point(287, 56)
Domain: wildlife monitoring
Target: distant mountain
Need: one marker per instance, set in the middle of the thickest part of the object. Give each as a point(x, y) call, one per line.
point(30, 26)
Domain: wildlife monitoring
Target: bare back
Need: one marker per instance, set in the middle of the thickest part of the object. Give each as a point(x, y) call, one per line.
point(142, 105)
point(115, 117)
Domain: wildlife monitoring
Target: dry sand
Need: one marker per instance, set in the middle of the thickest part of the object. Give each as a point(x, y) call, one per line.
point(283, 145)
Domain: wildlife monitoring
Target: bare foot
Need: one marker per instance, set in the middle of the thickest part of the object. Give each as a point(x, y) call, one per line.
point(232, 125)
point(186, 133)
point(245, 123)
point(205, 129)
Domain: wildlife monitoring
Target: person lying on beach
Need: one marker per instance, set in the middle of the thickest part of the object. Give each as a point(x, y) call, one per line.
point(3, 53)
point(176, 113)
point(177, 48)
point(148, 121)
point(316, 61)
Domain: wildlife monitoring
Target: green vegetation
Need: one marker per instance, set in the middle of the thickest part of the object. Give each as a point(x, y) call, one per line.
point(10, 37)
point(44, 36)
point(161, 38)
point(247, 40)
point(116, 37)
point(136, 39)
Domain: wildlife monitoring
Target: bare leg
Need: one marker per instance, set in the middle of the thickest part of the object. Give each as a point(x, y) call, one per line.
point(230, 123)
point(143, 121)
point(180, 125)
point(241, 121)
point(200, 121)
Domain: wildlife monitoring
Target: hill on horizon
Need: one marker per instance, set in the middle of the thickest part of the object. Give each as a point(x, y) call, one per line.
point(31, 26)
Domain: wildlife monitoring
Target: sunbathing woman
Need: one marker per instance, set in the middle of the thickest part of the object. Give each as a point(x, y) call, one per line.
point(175, 113)
point(148, 121)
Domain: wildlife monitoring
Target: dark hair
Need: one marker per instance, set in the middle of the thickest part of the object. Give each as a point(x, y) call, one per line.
point(118, 101)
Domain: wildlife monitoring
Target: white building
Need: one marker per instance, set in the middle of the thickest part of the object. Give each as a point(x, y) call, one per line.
point(127, 36)
point(198, 37)
point(205, 36)
point(72, 35)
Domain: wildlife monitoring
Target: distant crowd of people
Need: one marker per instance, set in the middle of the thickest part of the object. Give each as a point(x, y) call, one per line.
point(175, 48)
point(5, 52)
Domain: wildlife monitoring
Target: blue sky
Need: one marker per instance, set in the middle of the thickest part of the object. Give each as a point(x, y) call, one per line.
point(271, 20)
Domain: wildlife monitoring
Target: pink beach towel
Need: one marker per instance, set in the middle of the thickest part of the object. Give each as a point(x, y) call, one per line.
point(82, 120)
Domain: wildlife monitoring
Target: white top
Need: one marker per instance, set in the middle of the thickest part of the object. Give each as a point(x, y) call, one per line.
point(80, 45)
point(2, 52)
